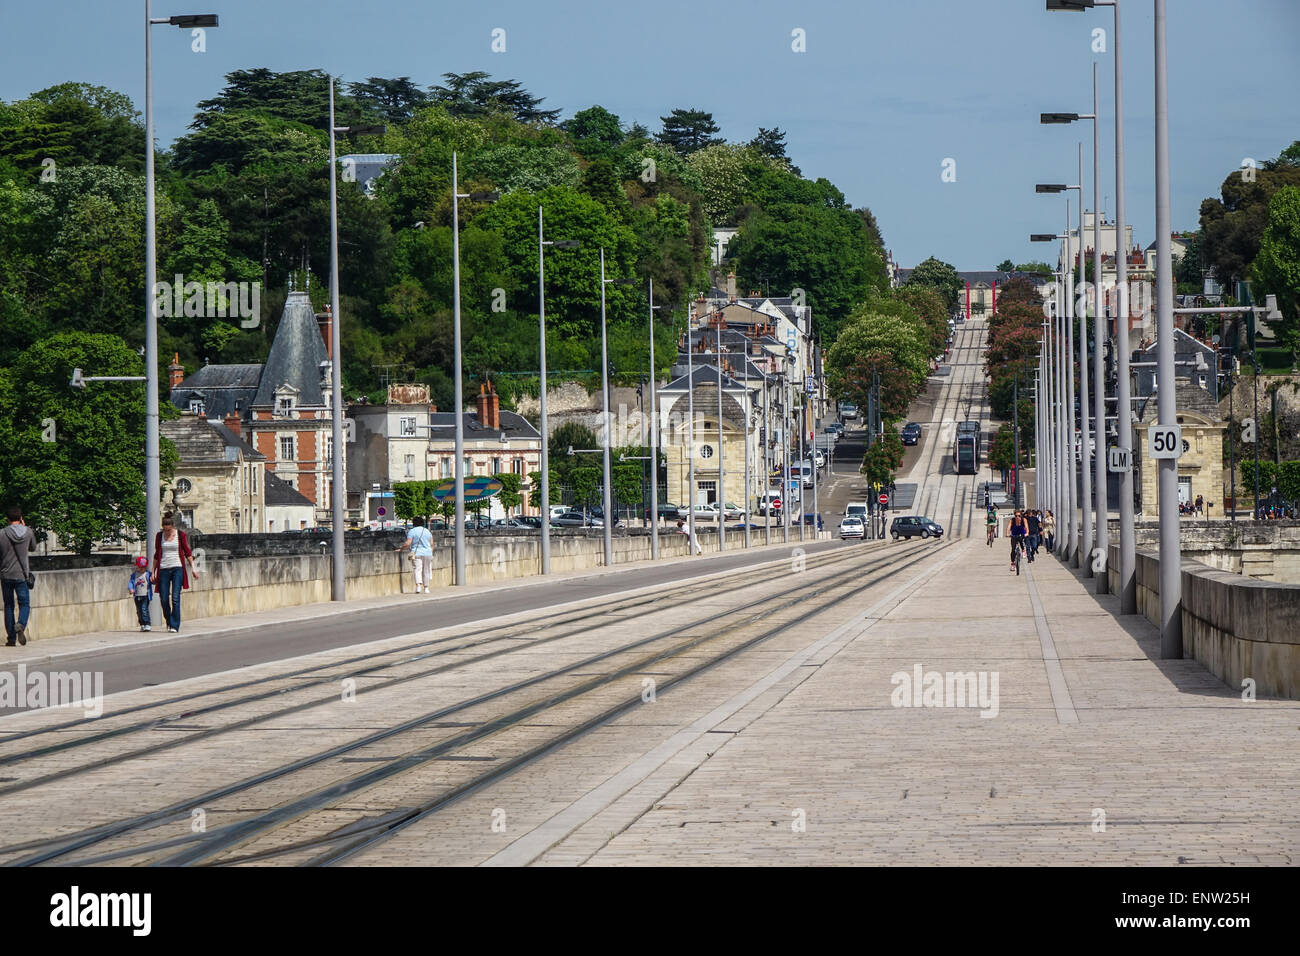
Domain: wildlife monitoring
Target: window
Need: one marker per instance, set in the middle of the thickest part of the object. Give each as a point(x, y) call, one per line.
point(329, 451)
point(234, 519)
point(253, 469)
point(708, 491)
point(283, 406)
point(196, 406)
point(444, 468)
point(469, 466)
point(410, 466)
point(496, 466)
point(183, 487)
point(517, 466)
point(408, 426)
point(286, 448)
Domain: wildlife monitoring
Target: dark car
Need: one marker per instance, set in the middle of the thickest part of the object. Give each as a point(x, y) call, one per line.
point(911, 433)
point(911, 526)
point(666, 510)
point(808, 517)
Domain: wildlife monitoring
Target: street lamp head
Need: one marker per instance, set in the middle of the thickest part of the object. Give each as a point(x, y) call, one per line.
point(1042, 237)
point(194, 20)
point(485, 196)
point(1050, 188)
point(1077, 6)
point(375, 130)
point(567, 244)
point(1050, 119)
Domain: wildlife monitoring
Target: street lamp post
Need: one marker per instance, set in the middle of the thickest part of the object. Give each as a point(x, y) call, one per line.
point(722, 483)
point(606, 428)
point(1171, 584)
point(152, 462)
point(545, 474)
point(690, 435)
point(338, 487)
point(654, 436)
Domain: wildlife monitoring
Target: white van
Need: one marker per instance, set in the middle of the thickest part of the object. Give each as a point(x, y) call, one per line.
point(857, 509)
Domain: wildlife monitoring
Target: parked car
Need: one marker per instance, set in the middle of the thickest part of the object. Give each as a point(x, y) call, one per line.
point(732, 510)
point(666, 510)
point(507, 523)
point(911, 433)
point(704, 512)
point(528, 521)
point(852, 527)
point(911, 526)
point(573, 519)
point(837, 428)
point(848, 411)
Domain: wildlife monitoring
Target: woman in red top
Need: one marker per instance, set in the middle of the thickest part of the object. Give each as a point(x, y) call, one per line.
point(172, 566)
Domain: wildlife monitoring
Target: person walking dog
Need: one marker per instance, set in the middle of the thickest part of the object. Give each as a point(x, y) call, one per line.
point(173, 566)
point(16, 576)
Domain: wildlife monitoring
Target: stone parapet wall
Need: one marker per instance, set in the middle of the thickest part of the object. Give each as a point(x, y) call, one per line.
point(1237, 627)
point(96, 599)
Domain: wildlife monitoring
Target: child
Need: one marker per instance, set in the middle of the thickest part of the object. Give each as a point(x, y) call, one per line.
point(140, 584)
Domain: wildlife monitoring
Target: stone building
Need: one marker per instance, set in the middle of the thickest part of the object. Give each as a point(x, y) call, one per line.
point(495, 442)
point(281, 407)
point(389, 443)
point(287, 509)
point(1200, 469)
point(220, 484)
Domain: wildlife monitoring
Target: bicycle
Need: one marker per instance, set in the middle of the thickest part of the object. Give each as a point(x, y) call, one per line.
point(1017, 548)
point(992, 533)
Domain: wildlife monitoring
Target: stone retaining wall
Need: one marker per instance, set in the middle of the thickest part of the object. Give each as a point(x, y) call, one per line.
point(1236, 627)
point(96, 599)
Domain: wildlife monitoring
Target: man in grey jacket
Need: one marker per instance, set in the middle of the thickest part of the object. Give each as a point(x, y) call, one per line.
point(15, 572)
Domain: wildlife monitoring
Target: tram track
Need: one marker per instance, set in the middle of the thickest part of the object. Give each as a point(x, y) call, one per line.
point(590, 619)
point(60, 847)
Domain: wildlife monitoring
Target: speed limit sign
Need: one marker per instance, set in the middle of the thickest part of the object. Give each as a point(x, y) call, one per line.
point(1165, 441)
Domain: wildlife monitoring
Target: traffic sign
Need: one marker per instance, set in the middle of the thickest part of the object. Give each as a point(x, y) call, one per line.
point(1119, 461)
point(381, 511)
point(883, 499)
point(1165, 441)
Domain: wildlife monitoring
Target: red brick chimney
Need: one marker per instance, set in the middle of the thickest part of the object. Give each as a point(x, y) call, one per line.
point(489, 406)
point(326, 322)
point(176, 370)
point(233, 422)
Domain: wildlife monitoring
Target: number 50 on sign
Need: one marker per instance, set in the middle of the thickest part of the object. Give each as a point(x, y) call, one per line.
point(1165, 441)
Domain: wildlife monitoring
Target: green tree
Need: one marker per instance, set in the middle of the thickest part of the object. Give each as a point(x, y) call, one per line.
point(392, 101)
point(510, 497)
point(1006, 265)
point(867, 332)
point(883, 459)
point(596, 132)
point(476, 94)
point(1276, 269)
point(414, 499)
point(1232, 226)
point(688, 130)
point(78, 466)
point(940, 276)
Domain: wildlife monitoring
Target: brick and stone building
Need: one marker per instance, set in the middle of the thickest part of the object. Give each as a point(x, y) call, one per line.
point(220, 482)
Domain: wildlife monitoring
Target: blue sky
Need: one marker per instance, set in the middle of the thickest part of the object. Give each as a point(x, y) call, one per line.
point(885, 92)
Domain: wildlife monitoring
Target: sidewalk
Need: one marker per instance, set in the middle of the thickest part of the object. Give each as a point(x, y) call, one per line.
point(1094, 750)
point(49, 649)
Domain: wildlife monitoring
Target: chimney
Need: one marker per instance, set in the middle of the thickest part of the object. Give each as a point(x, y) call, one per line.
point(233, 422)
point(326, 321)
point(493, 405)
point(176, 370)
point(731, 285)
point(481, 403)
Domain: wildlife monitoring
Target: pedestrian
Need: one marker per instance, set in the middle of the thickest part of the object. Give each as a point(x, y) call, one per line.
point(173, 566)
point(140, 586)
point(1034, 521)
point(1200, 504)
point(693, 545)
point(16, 576)
point(1049, 531)
point(420, 540)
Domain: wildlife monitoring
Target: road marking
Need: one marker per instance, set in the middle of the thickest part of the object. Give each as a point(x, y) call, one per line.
point(1061, 700)
point(559, 827)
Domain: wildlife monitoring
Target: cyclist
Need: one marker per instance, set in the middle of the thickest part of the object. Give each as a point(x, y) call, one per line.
point(1018, 531)
point(991, 522)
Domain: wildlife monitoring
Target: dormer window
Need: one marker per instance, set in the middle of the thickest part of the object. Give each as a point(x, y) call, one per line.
point(196, 406)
